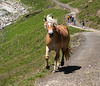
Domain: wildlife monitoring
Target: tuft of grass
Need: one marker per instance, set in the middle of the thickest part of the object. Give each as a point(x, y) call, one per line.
point(65, 1)
point(73, 30)
point(38, 4)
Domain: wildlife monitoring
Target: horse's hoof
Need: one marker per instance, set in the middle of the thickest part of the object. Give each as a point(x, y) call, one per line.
point(59, 68)
point(62, 63)
point(47, 67)
point(53, 71)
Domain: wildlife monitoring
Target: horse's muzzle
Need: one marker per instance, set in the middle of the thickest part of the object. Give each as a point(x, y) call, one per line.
point(50, 34)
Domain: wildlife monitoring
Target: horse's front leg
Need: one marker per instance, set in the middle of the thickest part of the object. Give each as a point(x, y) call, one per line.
point(47, 57)
point(56, 63)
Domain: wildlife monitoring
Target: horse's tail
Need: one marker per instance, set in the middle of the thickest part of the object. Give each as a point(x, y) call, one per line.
point(67, 53)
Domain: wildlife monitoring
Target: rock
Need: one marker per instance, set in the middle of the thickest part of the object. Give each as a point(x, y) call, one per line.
point(9, 11)
point(98, 13)
point(89, 0)
point(86, 7)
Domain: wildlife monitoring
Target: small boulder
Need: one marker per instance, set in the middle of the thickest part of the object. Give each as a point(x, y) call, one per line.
point(98, 13)
point(89, 0)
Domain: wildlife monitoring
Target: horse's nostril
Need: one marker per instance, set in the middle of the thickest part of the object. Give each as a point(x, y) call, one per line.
point(50, 34)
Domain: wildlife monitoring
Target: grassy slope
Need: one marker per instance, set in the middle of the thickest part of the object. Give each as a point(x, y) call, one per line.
point(65, 1)
point(22, 49)
point(89, 14)
point(38, 4)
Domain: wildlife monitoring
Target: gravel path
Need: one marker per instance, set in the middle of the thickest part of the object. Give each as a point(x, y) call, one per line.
point(83, 67)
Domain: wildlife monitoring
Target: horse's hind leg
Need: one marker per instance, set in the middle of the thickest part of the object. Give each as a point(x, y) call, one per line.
point(67, 53)
point(62, 60)
point(47, 57)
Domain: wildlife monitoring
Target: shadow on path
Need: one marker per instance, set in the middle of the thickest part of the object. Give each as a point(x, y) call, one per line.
point(68, 69)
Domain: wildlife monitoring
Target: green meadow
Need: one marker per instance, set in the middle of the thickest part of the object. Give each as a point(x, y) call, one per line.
point(65, 1)
point(22, 47)
point(88, 11)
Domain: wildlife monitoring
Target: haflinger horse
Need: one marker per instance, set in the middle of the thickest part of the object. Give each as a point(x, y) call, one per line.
point(57, 39)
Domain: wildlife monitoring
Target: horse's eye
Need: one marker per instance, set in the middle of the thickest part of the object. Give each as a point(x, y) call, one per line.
point(45, 26)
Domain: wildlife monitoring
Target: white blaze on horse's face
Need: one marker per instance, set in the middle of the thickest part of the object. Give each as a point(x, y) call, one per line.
point(49, 24)
point(50, 30)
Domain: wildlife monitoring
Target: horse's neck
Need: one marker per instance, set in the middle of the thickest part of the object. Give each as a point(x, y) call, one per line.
point(57, 31)
point(56, 34)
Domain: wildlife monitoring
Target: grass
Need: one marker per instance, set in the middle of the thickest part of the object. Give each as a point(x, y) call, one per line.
point(65, 1)
point(38, 4)
point(22, 49)
point(88, 12)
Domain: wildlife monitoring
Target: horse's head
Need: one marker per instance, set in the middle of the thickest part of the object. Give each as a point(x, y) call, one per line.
point(50, 25)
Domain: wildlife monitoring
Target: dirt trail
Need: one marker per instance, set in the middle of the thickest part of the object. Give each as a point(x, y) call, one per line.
point(83, 67)
point(74, 11)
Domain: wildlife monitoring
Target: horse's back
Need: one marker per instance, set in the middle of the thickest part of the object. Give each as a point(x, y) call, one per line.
point(63, 30)
point(64, 36)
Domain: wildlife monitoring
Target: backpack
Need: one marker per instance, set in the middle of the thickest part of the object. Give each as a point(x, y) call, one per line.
point(72, 18)
point(67, 16)
point(83, 23)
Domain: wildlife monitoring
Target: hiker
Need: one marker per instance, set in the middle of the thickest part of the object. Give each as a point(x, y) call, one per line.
point(68, 18)
point(83, 24)
point(72, 19)
point(74, 22)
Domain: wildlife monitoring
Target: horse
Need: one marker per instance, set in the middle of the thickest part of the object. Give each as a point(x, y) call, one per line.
point(57, 39)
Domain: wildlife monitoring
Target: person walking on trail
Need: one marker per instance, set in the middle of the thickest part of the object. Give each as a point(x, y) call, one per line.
point(74, 22)
point(83, 24)
point(68, 18)
point(72, 19)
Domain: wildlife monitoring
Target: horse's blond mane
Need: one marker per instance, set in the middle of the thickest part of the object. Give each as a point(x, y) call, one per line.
point(51, 20)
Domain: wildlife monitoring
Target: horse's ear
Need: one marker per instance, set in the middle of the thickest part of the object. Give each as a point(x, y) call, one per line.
point(45, 19)
point(51, 16)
